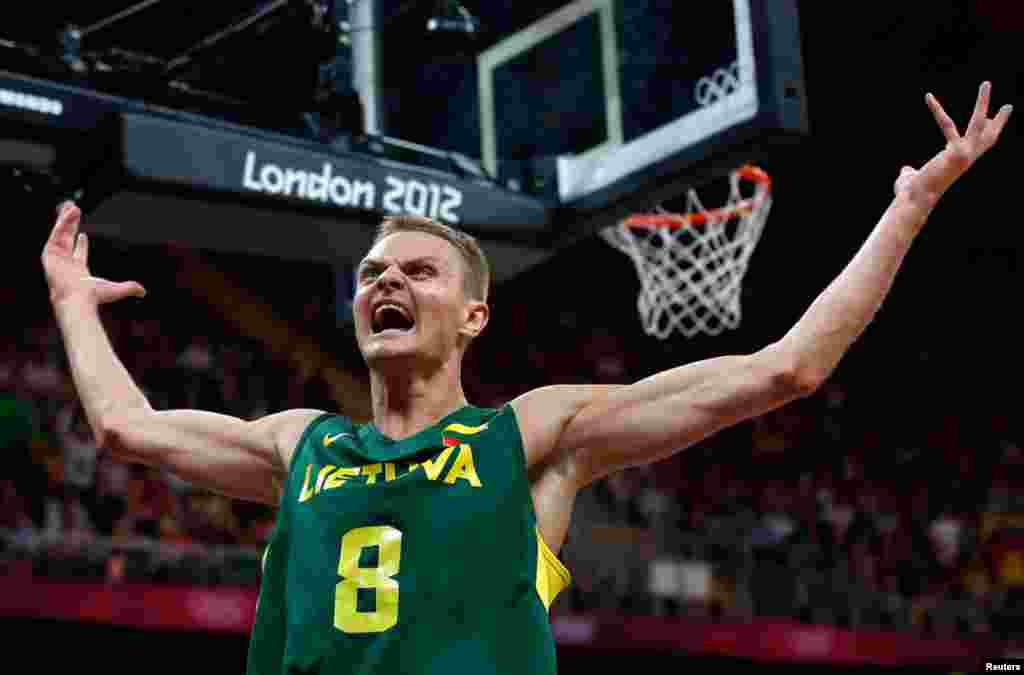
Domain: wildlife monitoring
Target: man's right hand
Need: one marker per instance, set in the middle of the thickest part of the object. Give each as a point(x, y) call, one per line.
point(66, 264)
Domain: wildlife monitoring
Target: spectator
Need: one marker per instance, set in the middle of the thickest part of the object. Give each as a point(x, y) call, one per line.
point(112, 486)
point(80, 451)
point(946, 534)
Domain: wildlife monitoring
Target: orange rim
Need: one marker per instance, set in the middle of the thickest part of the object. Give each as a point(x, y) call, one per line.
point(672, 221)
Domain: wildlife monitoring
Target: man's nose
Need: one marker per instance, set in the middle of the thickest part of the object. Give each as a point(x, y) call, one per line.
point(391, 278)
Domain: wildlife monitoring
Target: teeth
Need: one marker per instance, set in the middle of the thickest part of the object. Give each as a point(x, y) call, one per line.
point(388, 305)
point(378, 314)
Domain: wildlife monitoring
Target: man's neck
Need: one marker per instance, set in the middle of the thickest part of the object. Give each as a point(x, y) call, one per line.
point(406, 403)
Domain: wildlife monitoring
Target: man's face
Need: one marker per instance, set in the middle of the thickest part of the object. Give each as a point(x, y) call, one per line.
point(410, 300)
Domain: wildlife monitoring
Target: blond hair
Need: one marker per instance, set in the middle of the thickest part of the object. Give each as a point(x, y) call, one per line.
point(478, 270)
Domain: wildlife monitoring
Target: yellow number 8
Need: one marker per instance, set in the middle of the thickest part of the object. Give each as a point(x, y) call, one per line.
point(347, 617)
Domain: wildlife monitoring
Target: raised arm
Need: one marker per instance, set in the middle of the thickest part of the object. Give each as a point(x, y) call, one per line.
point(601, 430)
point(235, 457)
point(839, 315)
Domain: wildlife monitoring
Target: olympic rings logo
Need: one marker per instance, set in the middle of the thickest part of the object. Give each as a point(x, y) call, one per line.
point(721, 83)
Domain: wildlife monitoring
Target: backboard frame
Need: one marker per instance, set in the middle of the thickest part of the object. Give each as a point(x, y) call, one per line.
point(768, 109)
point(531, 36)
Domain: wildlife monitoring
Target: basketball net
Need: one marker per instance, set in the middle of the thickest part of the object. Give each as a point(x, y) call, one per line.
point(691, 265)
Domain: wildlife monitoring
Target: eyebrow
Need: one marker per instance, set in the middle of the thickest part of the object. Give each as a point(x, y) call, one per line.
point(377, 263)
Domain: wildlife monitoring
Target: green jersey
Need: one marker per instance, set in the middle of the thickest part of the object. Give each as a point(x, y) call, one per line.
point(412, 557)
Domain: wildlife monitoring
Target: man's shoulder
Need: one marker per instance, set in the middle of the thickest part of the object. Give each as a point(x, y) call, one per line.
point(555, 402)
point(290, 427)
point(543, 413)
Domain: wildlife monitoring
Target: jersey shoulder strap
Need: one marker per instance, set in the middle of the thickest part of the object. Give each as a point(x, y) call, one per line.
point(323, 426)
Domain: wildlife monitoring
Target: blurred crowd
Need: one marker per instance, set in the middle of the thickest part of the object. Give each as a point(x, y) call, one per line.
point(68, 509)
point(806, 513)
point(740, 529)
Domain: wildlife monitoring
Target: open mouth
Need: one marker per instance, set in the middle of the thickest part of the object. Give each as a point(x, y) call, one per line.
point(392, 317)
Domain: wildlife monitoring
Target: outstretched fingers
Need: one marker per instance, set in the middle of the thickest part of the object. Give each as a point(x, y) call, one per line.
point(980, 115)
point(995, 127)
point(62, 236)
point(81, 253)
point(944, 121)
point(112, 291)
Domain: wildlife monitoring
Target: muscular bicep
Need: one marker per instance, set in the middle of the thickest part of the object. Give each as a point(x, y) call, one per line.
point(234, 457)
point(670, 411)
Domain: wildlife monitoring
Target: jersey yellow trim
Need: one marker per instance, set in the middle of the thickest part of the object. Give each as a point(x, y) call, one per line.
point(552, 576)
point(464, 429)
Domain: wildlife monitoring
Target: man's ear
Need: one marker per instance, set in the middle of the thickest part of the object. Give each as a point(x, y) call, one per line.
point(476, 317)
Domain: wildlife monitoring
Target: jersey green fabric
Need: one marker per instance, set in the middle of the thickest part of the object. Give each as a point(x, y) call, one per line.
point(411, 557)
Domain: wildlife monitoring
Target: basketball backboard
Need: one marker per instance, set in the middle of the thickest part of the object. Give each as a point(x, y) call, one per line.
point(636, 100)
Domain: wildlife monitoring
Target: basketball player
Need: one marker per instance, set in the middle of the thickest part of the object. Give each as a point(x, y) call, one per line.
point(424, 542)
